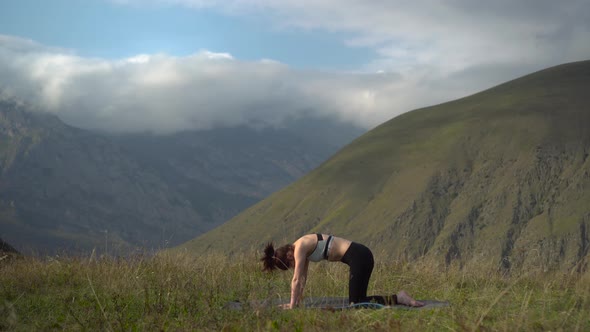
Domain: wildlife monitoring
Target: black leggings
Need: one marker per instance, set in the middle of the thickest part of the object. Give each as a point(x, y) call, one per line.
point(360, 260)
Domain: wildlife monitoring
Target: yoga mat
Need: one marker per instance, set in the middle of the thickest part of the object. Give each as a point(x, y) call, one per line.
point(334, 303)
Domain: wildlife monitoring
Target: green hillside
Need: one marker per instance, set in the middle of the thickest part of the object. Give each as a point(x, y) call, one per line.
point(503, 174)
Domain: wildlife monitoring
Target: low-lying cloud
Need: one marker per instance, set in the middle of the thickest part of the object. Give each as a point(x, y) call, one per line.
point(163, 93)
point(428, 52)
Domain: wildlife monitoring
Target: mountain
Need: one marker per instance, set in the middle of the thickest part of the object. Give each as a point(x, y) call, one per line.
point(63, 188)
point(67, 189)
point(223, 171)
point(6, 248)
point(242, 161)
point(502, 175)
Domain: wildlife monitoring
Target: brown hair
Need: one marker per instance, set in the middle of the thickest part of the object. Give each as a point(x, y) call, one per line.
point(281, 258)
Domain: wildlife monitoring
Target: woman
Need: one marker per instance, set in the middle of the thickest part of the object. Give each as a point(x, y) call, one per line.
point(316, 247)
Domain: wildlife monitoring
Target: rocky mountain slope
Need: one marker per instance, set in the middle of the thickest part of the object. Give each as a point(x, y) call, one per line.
point(502, 175)
point(63, 188)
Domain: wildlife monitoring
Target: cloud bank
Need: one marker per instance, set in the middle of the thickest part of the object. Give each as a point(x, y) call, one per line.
point(163, 93)
point(428, 52)
point(447, 34)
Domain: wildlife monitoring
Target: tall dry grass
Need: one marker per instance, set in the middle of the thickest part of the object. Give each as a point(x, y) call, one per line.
point(176, 291)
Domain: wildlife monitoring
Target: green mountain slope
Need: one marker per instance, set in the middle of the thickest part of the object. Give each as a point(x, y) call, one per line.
point(503, 174)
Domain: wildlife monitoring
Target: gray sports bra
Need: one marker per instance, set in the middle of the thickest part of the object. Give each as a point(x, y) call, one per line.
point(321, 249)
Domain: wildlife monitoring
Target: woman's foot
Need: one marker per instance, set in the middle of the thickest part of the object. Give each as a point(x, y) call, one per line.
point(405, 299)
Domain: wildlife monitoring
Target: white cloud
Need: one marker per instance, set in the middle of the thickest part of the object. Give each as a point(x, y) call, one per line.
point(450, 35)
point(428, 51)
point(212, 55)
point(141, 58)
point(164, 93)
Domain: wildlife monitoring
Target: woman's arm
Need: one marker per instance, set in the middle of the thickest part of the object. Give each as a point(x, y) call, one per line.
point(299, 276)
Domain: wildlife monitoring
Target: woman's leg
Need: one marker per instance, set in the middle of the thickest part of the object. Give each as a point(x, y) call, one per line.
point(360, 260)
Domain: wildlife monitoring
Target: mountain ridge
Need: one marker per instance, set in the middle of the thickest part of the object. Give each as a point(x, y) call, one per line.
point(501, 174)
point(68, 189)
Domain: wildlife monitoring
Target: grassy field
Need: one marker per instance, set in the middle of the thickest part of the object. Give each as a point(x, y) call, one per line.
point(181, 292)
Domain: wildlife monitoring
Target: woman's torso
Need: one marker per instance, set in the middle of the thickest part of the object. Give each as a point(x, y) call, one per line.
point(336, 248)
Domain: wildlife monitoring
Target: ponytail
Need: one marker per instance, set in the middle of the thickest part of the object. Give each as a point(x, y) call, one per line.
point(279, 258)
point(269, 258)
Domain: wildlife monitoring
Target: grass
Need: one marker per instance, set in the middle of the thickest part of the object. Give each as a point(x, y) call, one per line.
point(176, 291)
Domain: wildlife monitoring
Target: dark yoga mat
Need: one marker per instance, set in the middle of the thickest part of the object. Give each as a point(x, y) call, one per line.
point(335, 303)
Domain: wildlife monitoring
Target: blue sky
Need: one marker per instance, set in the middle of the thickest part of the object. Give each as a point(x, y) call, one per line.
point(168, 65)
point(98, 28)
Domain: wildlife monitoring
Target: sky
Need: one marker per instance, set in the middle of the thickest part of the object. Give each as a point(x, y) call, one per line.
point(170, 65)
